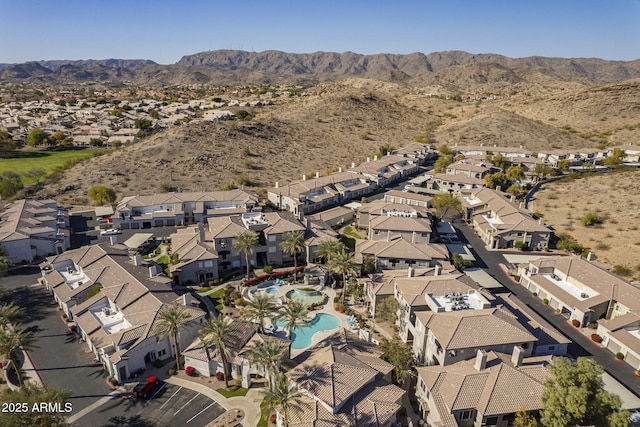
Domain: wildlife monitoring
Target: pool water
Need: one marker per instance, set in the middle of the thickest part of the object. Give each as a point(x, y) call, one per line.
point(271, 291)
point(305, 299)
point(302, 335)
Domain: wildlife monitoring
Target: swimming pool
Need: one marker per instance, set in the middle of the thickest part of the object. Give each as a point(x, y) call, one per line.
point(302, 335)
point(305, 297)
point(271, 291)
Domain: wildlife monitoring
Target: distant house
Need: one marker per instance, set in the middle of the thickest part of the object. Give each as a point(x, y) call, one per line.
point(197, 262)
point(394, 223)
point(398, 253)
point(368, 211)
point(387, 169)
point(405, 198)
point(31, 229)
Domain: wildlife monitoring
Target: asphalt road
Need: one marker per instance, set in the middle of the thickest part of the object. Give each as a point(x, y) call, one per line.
point(580, 345)
point(166, 405)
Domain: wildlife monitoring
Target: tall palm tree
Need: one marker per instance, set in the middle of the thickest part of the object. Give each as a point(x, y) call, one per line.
point(259, 306)
point(294, 313)
point(245, 242)
point(267, 355)
point(329, 248)
point(10, 314)
point(292, 243)
point(218, 331)
point(12, 341)
point(342, 263)
point(283, 396)
point(172, 318)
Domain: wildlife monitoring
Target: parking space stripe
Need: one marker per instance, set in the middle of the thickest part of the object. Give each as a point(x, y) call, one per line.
point(176, 413)
point(171, 397)
point(196, 415)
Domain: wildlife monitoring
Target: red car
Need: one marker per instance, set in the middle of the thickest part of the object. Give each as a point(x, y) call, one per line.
point(143, 387)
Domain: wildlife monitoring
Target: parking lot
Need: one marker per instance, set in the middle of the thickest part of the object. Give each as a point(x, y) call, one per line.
point(166, 405)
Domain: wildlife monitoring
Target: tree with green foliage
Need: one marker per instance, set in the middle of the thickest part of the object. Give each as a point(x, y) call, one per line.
point(37, 137)
point(615, 158)
point(10, 314)
point(4, 266)
point(515, 190)
point(515, 173)
point(171, 319)
point(564, 165)
point(245, 115)
point(442, 163)
point(497, 160)
point(7, 144)
point(459, 262)
point(259, 306)
point(387, 310)
point(574, 395)
point(268, 355)
point(543, 171)
point(495, 180)
point(100, 195)
point(385, 149)
point(569, 244)
point(293, 313)
point(369, 264)
point(13, 340)
point(284, 396)
point(217, 330)
point(446, 205)
point(356, 290)
point(342, 263)
point(523, 419)
point(400, 356)
point(245, 242)
point(328, 248)
point(445, 150)
point(143, 124)
point(10, 184)
point(292, 243)
point(33, 394)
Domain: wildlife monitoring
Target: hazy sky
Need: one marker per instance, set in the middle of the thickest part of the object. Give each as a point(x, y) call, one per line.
point(164, 31)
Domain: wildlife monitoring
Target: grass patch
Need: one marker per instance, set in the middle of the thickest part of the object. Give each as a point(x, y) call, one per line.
point(20, 161)
point(216, 299)
point(264, 415)
point(228, 393)
point(163, 262)
point(350, 232)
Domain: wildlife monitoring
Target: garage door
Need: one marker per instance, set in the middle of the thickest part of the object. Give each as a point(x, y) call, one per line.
point(614, 347)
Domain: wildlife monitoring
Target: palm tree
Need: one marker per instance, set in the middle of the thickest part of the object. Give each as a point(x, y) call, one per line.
point(10, 313)
point(171, 318)
point(245, 242)
point(218, 331)
point(294, 313)
point(259, 306)
point(267, 355)
point(283, 396)
point(329, 248)
point(342, 263)
point(12, 341)
point(292, 243)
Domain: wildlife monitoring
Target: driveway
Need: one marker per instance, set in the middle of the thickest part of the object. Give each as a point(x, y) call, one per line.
point(167, 405)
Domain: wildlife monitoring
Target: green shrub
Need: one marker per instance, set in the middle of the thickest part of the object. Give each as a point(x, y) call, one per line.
point(268, 269)
point(545, 301)
point(171, 372)
point(157, 363)
point(619, 356)
point(593, 325)
point(591, 218)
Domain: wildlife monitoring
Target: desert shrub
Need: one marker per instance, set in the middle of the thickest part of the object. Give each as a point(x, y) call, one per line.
point(596, 338)
point(240, 302)
point(591, 218)
point(171, 372)
point(593, 325)
point(621, 270)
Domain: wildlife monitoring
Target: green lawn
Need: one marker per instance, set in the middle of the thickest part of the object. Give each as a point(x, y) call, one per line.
point(163, 262)
point(227, 393)
point(20, 161)
point(216, 299)
point(264, 415)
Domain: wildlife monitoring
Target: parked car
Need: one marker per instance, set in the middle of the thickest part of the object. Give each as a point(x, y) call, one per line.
point(144, 387)
point(109, 232)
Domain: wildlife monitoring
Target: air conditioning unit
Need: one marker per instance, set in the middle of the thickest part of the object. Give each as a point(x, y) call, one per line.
point(583, 295)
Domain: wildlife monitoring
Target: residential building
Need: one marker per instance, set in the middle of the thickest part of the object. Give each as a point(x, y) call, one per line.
point(377, 208)
point(115, 301)
point(387, 169)
point(316, 233)
point(622, 335)
point(500, 223)
point(484, 391)
point(242, 338)
point(32, 229)
point(169, 209)
point(197, 262)
point(345, 383)
point(467, 169)
point(406, 198)
point(399, 253)
point(579, 289)
point(451, 183)
point(335, 217)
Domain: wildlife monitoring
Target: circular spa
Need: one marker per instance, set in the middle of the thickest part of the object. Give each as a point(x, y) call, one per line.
point(307, 297)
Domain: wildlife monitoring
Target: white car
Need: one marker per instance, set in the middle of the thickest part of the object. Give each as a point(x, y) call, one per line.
point(109, 232)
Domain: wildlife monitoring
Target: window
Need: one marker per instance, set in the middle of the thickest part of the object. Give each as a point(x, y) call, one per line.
point(272, 238)
point(491, 421)
point(465, 415)
point(272, 249)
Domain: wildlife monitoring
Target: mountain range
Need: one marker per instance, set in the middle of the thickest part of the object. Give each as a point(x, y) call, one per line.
point(276, 67)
